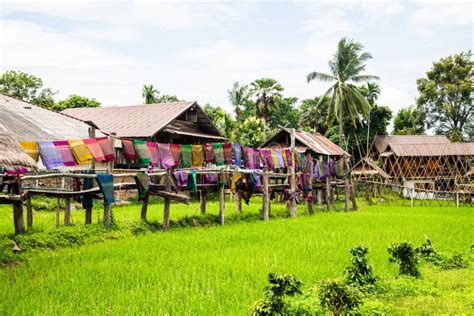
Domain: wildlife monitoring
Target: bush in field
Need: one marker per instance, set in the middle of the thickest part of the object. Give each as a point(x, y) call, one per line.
point(404, 256)
point(338, 296)
point(280, 285)
point(428, 253)
point(360, 272)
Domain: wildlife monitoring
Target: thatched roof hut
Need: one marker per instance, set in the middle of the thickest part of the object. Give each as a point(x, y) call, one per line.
point(12, 155)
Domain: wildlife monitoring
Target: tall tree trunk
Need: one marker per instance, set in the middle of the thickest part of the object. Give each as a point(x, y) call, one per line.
point(341, 129)
point(237, 118)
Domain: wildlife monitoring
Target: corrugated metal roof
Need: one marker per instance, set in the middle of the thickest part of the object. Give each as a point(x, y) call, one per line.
point(28, 122)
point(136, 120)
point(381, 141)
point(418, 150)
point(194, 134)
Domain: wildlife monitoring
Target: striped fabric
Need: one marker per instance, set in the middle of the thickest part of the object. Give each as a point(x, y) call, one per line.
point(143, 154)
point(209, 153)
point(50, 156)
point(197, 156)
point(186, 154)
point(227, 147)
point(80, 151)
point(32, 149)
point(166, 158)
point(107, 149)
point(219, 154)
point(176, 153)
point(62, 146)
point(154, 156)
point(95, 149)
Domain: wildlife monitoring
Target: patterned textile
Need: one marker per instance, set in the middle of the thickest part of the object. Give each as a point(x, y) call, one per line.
point(129, 150)
point(176, 153)
point(154, 155)
point(209, 153)
point(62, 146)
point(309, 163)
point(332, 168)
point(80, 152)
point(303, 183)
point(274, 157)
point(107, 149)
point(50, 156)
point(289, 158)
point(252, 158)
point(86, 199)
point(256, 182)
point(192, 185)
point(281, 161)
point(143, 154)
point(94, 148)
point(197, 156)
point(166, 158)
point(106, 185)
point(227, 148)
point(238, 155)
point(340, 168)
point(317, 170)
point(181, 178)
point(141, 179)
point(186, 154)
point(219, 154)
point(327, 170)
point(267, 159)
point(235, 177)
point(32, 149)
point(302, 161)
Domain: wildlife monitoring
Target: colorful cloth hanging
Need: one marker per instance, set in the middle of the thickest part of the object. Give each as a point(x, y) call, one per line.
point(274, 157)
point(238, 155)
point(227, 148)
point(80, 151)
point(62, 146)
point(297, 158)
point(181, 178)
point(256, 182)
point(249, 155)
point(219, 154)
point(317, 170)
point(154, 155)
point(267, 159)
point(332, 168)
point(50, 156)
point(94, 148)
point(106, 185)
point(340, 168)
point(302, 161)
point(107, 148)
point(166, 158)
point(192, 185)
point(32, 149)
point(129, 150)
point(143, 154)
point(186, 154)
point(141, 179)
point(197, 156)
point(327, 169)
point(209, 153)
point(289, 158)
point(303, 183)
point(281, 161)
point(235, 177)
point(176, 154)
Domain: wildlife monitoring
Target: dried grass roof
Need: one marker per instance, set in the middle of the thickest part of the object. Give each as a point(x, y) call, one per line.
point(11, 154)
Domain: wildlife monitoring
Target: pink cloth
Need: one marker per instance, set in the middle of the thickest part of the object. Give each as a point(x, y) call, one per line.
point(166, 158)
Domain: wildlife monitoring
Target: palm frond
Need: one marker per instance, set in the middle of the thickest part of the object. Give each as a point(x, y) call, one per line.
point(363, 78)
point(319, 76)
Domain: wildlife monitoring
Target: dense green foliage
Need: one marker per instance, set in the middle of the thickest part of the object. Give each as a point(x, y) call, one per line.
point(404, 256)
point(360, 272)
point(409, 121)
point(338, 296)
point(151, 95)
point(445, 96)
point(76, 101)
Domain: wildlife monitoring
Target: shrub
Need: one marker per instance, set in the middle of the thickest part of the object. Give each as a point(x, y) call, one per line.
point(404, 256)
point(428, 253)
point(338, 296)
point(280, 285)
point(360, 272)
point(455, 262)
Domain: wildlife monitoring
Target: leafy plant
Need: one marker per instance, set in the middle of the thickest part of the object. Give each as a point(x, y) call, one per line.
point(338, 296)
point(428, 253)
point(404, 256)
point(280, 285)
point(360, 272)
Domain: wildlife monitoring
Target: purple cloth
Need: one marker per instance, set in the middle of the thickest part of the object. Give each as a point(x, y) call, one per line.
point(289, 157)
point(238, 155)
point(166, 158)
point(267, 159)
point(332, 168)
point(281, 161)
point(50, 156)
point(211, 178)
point(181, 177)
point(250, 162)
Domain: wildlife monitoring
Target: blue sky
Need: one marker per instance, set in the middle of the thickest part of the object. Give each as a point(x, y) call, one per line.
point(196, 50)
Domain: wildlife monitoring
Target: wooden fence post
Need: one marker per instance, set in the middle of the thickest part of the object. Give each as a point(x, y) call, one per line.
point(292, 201)
point(266, 195)
point(88, 216)
point(67, 211)
point(202, 201)
point(222, 197)
point(29, 212)
point(347, 192)
point(238, 202)
point(319, 196)
point(106, 215)
point(310, 182)
point(58, 213)
point(145, 206)
point(166, 211)
point(328, 194)
point(18, 210)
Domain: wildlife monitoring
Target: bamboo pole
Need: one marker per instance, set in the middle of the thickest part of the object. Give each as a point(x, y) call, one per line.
point(266, 196)
point(292, 202)
point(166, 210)
point(67, 211)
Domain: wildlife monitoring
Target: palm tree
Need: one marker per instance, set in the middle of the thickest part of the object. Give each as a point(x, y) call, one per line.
point(346, 66)
point(266, 90)
point(371, 92)
point(150, 94)
point(237, 96)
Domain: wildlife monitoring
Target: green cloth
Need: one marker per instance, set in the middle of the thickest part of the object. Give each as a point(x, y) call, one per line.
point(186, 151)
point(143, 153)
point(192, 184)
point(219, 154)
point(141, 180)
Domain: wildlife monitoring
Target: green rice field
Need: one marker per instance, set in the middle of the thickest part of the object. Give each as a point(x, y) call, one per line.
point(200, 268)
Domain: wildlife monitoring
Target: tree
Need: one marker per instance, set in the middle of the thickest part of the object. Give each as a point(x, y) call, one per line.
point(346, 66)
point(337, 296)
point(26, 87)
point(167, 98)
point(223, 120)
point(409, 121)
point(76, 101)
point(150, 94)
point(251, 132)
point(314, 114)
point(265, 90)
point(445, 96)
point(238, 95)
point(285, 113)
point(371, 92)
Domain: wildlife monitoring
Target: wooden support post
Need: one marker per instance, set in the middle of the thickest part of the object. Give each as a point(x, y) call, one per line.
point(88, 216)
point(310, 182)
point(67, 211)
point(292, 202)
point(202, 201)
point(29, 212)
point(328, 194)
point(367, 198)
point(238, 202)
point(166, 211)
point(222, 198)
point(319, 196)
point(144, 206)
point(106, 215)
point(58, 213)
point(347, 193)
point(18, 218)
point(266, 195)
point(411, 196)
point(110, 167)
point(92, 135)
point(457, 199)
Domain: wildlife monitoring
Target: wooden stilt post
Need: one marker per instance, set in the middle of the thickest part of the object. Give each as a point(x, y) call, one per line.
point(347, 193)
point(328, 194)
point(88, 211)
point(202, 201)
point(110, 167)
point(67, 211)
point(310, 182)
point(266, 195)
point(166, 211)
point(88, 216)
point(106, 215)
point(367, 192)
point(145, 206)
point(292, 201)
point(411, 196)
point(238, 202)
point(222, 197)
point(58, 213)
point(29, 212)
point(18, 210)
point(319, 196)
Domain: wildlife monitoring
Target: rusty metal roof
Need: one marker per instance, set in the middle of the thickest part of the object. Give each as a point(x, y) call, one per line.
point(381, 142)
point(418, 150)
point(140, 120)
point(314, 141)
